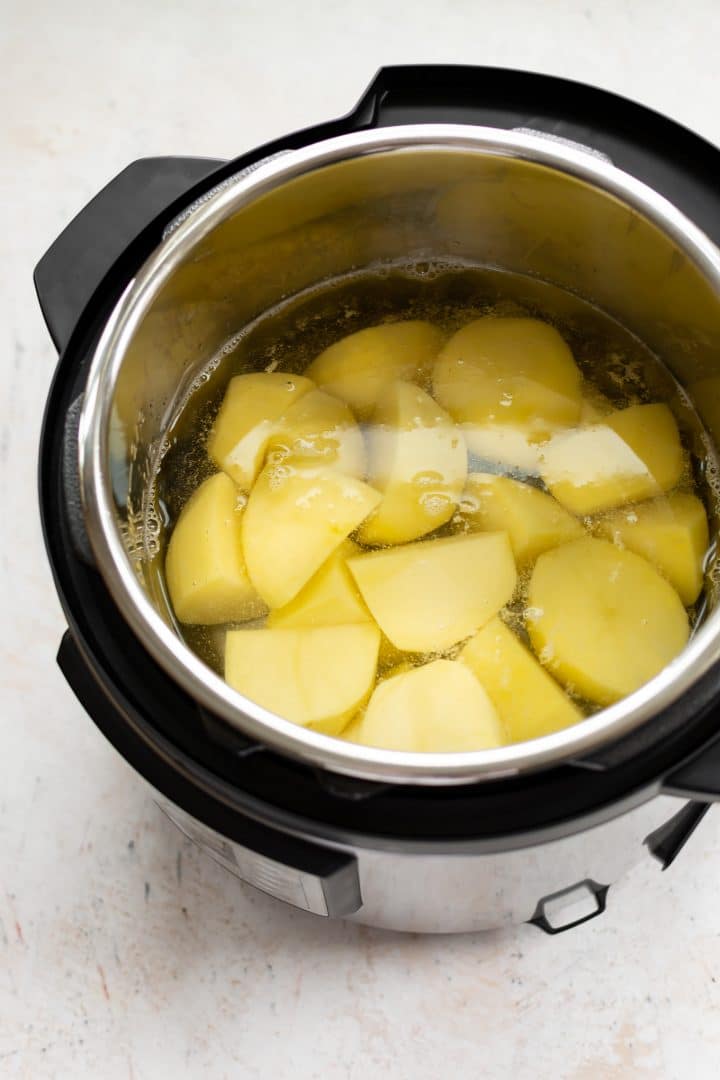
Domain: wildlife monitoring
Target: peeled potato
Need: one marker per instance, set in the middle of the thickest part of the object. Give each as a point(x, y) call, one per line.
point(439, 707)
point(204, 568)
point(428, 595)
point(528, 701)
point(314, 676)
point(322, 429)
point(330, 597)
point(252, 403)
point(508, 371)
point(360, 366)
point(633, 454)
point(534, 520)
point(651, 431)
point(671, 533)
point(603, 620)
point(417, 460)
point(295, 518)
point(504, 446)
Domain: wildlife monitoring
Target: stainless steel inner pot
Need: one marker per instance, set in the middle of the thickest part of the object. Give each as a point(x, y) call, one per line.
point(512, 200)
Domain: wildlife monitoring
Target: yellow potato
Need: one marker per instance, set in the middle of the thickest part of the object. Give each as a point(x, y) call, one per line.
point(671, 533)
point(513, 449)
point(329, 598)
point(651, 431)
point(427, 596)
point(418, 460)
point(295, 518)
point(439, 707)
point(514, 371)
point(252, 403)
point(528, 701)
point(204, 568)
point(603, 620)
point(315, 676)
point(358, 367)
point(534, 521)
point(633, 454)
point(322, 429)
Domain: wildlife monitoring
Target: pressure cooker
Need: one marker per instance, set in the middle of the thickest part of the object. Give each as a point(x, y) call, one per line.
point(552, 179)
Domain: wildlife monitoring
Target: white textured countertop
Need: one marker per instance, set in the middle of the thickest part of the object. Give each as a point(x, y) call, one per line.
point(124, 953)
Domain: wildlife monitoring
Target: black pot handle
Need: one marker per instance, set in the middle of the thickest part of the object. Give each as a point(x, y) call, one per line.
point(74, 266)
point(698, 777)
point(467, 94)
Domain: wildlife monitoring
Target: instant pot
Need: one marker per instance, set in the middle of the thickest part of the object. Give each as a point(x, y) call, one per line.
point(536, 175)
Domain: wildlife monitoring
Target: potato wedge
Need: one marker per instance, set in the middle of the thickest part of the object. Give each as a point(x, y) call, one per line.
point(322, 429)
point(515, 371)
point(295, 518)
point(528, 701)
point(652, 433)
point(534, 520)
point(633, 454)
point(671, 533)
point(359, 367)
point(315, 676)
point(418, 460)
point(205, 571)
point(603, 620)
point(429, 595)
point(439, 707)
point(239, 437)
point(330, 597)
point(504, 448)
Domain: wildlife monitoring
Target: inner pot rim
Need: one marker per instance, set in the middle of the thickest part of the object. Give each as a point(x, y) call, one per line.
point(203, 684)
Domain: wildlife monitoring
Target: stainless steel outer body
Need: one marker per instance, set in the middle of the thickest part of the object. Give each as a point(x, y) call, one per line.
point(455, 890)
point(510, 200)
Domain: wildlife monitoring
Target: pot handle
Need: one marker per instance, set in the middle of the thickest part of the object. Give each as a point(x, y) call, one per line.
point(698, 777)
point(73, 267)
point(459, 94)
point(308, 875)
point(486, 96)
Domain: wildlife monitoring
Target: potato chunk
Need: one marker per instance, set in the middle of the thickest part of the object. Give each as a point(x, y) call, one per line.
point(504, 447)
point(438, 707)
point(295, 518)
point(322, 429)
point(508, 371)
point(316, 676)
point(671, 533)
point(633, 454)
point(428, 595)
point(204, 567)
point(534, 520)
point(603, 620)
point(359, 367)
point(330, 597)
point(652, 433)
point(528, 701)
point(417, 460)
point(252, 403)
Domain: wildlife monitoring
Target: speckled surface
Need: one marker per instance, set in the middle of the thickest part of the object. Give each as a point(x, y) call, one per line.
point(124, 953)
